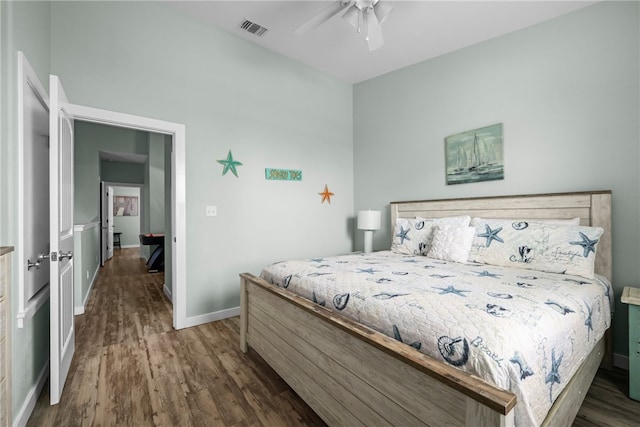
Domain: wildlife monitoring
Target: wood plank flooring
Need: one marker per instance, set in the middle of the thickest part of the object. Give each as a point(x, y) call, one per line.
point(132, 369)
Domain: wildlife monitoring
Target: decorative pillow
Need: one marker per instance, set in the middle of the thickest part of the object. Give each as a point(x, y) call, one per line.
point(451, 242)
point(553, 248)
point(412, 236)
point(557, 221)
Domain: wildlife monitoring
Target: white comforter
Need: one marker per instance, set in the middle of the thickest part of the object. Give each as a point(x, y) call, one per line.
point(523, 330)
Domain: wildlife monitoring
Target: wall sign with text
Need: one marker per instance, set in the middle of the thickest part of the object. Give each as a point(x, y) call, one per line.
point(282, 174)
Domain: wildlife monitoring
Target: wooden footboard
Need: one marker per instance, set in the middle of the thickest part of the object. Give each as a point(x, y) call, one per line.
point(352, 375)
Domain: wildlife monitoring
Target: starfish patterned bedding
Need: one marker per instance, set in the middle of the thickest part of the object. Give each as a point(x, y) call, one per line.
point(523, 330)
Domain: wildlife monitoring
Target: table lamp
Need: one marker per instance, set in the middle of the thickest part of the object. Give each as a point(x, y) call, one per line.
point(368, 221)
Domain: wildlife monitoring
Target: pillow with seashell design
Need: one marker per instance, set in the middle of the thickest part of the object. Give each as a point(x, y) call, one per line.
point(554, 248)
point(412, 236)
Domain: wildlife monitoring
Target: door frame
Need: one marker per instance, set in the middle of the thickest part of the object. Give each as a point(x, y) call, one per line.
point(178, 190)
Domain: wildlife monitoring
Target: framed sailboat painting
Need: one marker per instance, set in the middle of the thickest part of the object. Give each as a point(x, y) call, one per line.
point(475, 155)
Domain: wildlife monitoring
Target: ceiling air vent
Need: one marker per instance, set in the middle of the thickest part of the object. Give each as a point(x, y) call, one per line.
point(253, 28)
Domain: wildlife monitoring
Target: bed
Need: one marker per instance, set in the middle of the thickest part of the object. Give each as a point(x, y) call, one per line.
point(352, 374)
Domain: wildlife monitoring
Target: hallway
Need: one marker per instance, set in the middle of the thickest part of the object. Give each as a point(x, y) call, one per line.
point(132, 369)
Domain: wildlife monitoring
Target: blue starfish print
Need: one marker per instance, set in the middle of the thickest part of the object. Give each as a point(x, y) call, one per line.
point(317, 259)
point(367, 270)
point(410, 260)
point(451, 290)
point(587, 244)
point(577, 282)
point(588, 322)
point(403, 234)
point(485, 273)
point(553, 376)
point(491, 235)
point(229, 164)
point(562, 309)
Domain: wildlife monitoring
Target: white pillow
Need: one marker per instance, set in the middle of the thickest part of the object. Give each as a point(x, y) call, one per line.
point(452, 242)
point(568, 249)
point(556, 221)
point(412, 236)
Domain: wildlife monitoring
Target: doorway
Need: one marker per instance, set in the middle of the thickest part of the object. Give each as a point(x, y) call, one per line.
point(175, 133)
point(115, 219)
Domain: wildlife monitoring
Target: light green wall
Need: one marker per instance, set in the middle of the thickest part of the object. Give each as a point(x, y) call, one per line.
point(24, 26)
point(156, 183)
point(131, 173)
point(86, 248)
point(231, 95)
point(129, 226)
point(90, 138)
point(567, 92)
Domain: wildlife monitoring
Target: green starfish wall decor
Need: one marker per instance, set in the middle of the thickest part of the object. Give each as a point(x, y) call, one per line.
point(229, 164)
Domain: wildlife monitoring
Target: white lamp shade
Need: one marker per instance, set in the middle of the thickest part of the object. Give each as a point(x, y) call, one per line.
point(369, 220)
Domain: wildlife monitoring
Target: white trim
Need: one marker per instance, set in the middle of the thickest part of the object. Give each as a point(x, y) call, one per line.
point(130, 246)
point(22, 417)
point(85, 227)
point(178, 190)
point(211, 317)
point(32, 307)
point(80, 310)
point(167, 292)
point(621, 361)
point(26, 74)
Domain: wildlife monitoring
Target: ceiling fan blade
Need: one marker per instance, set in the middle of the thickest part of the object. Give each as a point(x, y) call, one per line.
point(352, 16)
point(334, 9)
point(374, 30)
point(382, 10)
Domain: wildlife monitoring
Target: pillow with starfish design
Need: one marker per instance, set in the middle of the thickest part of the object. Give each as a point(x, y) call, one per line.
point(555, 248)
point(412, 236)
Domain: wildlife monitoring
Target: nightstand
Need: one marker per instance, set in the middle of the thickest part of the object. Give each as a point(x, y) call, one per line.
point(631, 296)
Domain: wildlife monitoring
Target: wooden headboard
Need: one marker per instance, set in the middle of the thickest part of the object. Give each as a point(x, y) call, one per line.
point(592, 207)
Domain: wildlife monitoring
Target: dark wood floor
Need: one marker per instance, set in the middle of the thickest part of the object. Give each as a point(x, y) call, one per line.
point(132, 369)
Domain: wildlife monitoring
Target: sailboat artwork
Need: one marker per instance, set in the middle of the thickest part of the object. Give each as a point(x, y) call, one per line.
point(475, 155)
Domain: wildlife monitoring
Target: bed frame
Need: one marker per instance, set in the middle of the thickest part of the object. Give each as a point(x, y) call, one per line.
point(352, 375)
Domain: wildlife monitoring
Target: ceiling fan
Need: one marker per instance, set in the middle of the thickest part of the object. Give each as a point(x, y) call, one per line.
point(367, 15)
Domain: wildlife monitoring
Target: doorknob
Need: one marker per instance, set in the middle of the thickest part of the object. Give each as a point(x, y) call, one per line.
point(67, 255)
point(31, 265)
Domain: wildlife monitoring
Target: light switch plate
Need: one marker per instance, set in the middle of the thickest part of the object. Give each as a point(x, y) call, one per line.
point(211, 211)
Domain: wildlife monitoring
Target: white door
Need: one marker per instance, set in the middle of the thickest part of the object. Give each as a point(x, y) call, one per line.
point(110, 225)
point(61, 239)
point(106, 218)
point(104, 228)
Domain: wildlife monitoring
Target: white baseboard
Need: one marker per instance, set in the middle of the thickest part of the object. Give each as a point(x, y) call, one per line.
point(167, 292)
point(130, 246)
point(621, 361)
point(211, 317)
point(80, 309)
point(21, 418)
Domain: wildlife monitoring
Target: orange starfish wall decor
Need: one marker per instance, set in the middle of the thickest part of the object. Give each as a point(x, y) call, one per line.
point(326, 194)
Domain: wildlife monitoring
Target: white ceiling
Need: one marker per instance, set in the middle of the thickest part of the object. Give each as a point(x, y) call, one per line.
point(415, 31)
